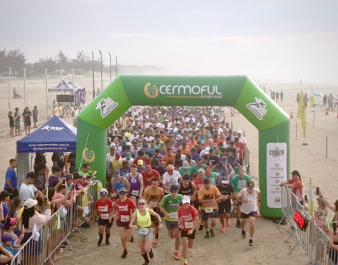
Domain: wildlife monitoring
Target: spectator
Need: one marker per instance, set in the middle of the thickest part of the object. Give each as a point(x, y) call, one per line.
point(11, 180)
point(28, 190)
point(35, 116)
point(54, 179)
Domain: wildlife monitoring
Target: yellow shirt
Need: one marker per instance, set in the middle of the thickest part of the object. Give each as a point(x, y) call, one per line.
point(143, 221)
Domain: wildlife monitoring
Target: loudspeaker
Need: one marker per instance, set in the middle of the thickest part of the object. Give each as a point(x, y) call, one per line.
point(65, 98)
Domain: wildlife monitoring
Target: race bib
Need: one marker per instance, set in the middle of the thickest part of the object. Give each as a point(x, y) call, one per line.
point(104, 216)
point(174, 215)
point(251, 200)
point(153, 204)
point(125, 218)
point(135, 192)
point(208, 209)
point(144, 231)
point(189, 224)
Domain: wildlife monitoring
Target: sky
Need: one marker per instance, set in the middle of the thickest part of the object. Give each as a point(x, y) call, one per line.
point(274, 40)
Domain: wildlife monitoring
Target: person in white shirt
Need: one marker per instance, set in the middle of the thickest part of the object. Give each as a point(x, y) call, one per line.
point(111, 154)
point(28, 190)
point(134, 136)
point(240, 137)
point(171, 177)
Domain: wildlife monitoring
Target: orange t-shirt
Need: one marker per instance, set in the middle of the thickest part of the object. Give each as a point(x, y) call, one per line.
point(204, 194)
point(153, 197)
point(167, 158)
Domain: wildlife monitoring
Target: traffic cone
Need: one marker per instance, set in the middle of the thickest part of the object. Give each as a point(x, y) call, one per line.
point(327, 111)
point(291, 115)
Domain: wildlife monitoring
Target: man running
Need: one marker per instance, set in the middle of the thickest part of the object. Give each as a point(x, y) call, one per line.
point(117, 183)
point(124, 209)
point(148, 176)
point(224, 206)
point(188, 220)
point(104, 207)
point(171, 177)
point(136, 183)
point(250, 197)
point(239, 182)
point(199, 182)
point(188, 188)
point(153, 195)
point(169, 206)
point(208, 196)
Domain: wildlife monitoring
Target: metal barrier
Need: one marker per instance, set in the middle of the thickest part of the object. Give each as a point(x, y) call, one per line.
point(44, 243)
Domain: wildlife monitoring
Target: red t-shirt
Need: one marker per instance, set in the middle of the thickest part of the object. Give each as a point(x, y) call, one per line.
point(199, 184)
point(240, 148)
point(187, 217)
point(147, 178)
point(125, 209)
point(298, 189)
point(104, 208)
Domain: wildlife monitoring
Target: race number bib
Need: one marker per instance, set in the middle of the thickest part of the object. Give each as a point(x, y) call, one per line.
point(153, 204)
point(208, 209)
point(174, 215)
point(104, 216)
point(144, 231)
point(251, 200)
point(135, 192)
point(189, 224)
point(125, 218)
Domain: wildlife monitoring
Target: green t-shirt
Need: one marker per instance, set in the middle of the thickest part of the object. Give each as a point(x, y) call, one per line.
point(89, 173)
point(212, 178)
point(195, 168)
point(185, 171)
point(239, 184)
point(171, 205)
point(202, 139)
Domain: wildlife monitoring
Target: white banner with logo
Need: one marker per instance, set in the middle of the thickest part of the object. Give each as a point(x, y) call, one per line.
point(276, 167)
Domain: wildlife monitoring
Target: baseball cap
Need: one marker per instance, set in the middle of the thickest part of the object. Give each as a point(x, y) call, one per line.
point(103, 192)
point(29, 203)
point(185, 165)
point(6, 237)
point(225, 180)
point(140, 162)
point(250, 184)
point(185, 199)
point(116, 173)
point(173, 188)
point(123, 191)
point(128, 155)
point(112, 148)
point(239, 131)
point(207, 149)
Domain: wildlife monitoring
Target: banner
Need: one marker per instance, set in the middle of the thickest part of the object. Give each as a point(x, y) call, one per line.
point(301, 114)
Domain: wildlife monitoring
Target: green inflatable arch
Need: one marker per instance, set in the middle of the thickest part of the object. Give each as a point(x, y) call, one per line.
point(236, 91)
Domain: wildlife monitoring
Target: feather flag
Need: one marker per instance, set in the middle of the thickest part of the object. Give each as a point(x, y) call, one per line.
point(311, 206)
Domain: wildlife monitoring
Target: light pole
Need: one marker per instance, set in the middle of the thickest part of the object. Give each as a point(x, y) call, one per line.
point(116, 65)
point(101, 71)
point(110, 65)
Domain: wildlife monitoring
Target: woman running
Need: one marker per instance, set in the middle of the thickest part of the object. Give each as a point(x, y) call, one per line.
point(188, 221)
point(142, 219)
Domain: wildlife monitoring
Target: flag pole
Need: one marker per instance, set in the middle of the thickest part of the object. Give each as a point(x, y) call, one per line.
point(305, 143)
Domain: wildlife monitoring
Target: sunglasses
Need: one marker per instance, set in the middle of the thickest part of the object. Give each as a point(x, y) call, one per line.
point(141, 203)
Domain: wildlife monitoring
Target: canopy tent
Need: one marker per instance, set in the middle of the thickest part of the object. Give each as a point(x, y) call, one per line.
point(55, 135)
point(65, 87)
point(79, 92)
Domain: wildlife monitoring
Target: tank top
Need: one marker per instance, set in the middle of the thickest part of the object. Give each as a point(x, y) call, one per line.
point(251, 205)
point(186, 191)
point(119, 185)
point(143, 221)
point(134, 184)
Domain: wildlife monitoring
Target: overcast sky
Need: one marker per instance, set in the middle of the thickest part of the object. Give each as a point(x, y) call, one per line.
point(284, 40)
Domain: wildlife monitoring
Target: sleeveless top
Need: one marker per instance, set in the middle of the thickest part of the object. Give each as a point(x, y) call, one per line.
point(134, 184)
point(143, 221)
point(119, 185)
point(251, 205)
point(186, 191)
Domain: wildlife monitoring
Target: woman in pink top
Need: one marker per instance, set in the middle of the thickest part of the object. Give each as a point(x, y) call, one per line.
point(295, 183)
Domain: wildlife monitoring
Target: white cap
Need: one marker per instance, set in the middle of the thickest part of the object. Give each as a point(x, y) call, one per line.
point(103, 192)
point(239, 131)
point(112, 144)
point(225, 181)
point(179, 137)
point(185, 199)
point(29, 203)
point(207, 149)
point(185, 165)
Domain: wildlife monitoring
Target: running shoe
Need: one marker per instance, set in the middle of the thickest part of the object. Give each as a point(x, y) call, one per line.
point(201, 228)
point(176, 256)
point(212, 234)
point(155, 241)
point(222, 229)
point(207, 236)
point(228, 222)
point(250, 242)
point(151, 254)
point(124, 255)
point(243, 234)
point(238, 224)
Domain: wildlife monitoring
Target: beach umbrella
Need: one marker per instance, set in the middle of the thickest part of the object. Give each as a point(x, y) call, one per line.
point(317, 94)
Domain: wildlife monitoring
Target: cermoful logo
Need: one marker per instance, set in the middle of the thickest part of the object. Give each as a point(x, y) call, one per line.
point(51, 128)
point(182, 91)
point(258, 108)
point(106, 106)
point(276, 152)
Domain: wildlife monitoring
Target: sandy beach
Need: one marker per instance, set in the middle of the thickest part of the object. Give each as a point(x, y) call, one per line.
point(229, 248)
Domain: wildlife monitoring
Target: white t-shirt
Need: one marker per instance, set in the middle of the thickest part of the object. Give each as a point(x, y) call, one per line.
point(171, 179)
point(251, 205)
point(130, 161)
point(149, 139)
point(109, 157)
point(242, 140)
point(27, 191)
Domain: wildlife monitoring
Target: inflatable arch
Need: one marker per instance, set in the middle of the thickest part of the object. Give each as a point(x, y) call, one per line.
point(240, 92)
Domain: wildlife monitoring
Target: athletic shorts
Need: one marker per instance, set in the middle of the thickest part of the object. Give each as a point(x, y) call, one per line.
point(145, 233)
point(171, 224)
point(247, 215)
point(224, 208)
point(206, 216)
point(185, 234)
point(105, 222)
point(122, 224)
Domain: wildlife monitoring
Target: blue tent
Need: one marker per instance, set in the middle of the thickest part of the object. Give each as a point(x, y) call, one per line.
point(55, 135)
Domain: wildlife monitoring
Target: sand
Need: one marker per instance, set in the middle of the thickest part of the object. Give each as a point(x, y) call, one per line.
point(228, 248)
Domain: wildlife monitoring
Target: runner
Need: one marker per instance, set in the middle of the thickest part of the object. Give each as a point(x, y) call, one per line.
point(116, 183)
point(188, 188)
point(199, 182)
point(136, 183)
point(250, 197)
point(169, 206)
point(189, 221)
point(124, 209)
point(224, 206)
point(148, 176)
point(171, 177)
point(208, 196)
point(239, 182)
point(104, 207)
point(153, 195)
point(142, 218)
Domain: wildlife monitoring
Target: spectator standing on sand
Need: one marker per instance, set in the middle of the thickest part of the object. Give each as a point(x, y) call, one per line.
point(17, 120)
point(27, 120)
point(35, 116)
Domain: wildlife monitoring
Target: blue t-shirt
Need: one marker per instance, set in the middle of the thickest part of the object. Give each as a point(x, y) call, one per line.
point(5, 209)
point(11, 175)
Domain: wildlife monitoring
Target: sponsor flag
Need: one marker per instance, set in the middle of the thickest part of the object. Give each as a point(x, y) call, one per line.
point(301, 112)
point(311, 206)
